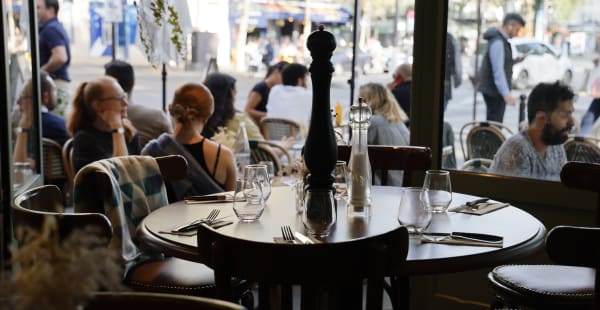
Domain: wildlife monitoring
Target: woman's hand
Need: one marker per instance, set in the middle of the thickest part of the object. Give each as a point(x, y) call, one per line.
point(113, 113)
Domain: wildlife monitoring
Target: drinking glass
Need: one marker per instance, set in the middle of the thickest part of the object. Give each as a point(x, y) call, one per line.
point(319, 214)
point(437, 190)
point(340, 179)
point(270, 168)
point(259, 173)
point(248, 202)
point(412, 214)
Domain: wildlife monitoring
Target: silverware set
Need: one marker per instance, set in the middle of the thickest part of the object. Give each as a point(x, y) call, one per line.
point(212, 216)
point(290, 236)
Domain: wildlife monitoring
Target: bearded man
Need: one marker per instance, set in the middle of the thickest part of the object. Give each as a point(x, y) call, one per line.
point(537, 151)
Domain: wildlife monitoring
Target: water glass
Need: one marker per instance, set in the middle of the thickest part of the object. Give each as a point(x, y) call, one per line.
point(270, 168)
point(412, 214)
point(248, 202)
point(437, 190)
point(340, 179)
point(259, 173)
point(319, 214)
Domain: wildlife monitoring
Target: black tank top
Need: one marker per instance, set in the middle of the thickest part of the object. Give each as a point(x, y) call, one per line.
point(197, 150)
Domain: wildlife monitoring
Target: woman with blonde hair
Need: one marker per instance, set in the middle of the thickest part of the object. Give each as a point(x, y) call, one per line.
point(211, 165)
point(99, 124)
point(387, 123)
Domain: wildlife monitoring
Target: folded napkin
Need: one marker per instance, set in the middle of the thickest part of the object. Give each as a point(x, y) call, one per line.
point(458, 241)
point(482, 209)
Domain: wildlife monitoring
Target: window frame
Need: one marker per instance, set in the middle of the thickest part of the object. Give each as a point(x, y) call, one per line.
point(427, 117)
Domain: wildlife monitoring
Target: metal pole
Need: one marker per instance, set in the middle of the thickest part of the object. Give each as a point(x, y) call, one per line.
point(476, 75)
point(164, 87)
point(114, 41)
point(352, 79)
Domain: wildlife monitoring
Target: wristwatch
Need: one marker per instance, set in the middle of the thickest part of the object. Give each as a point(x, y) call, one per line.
point(118, 130)
point(21, 130)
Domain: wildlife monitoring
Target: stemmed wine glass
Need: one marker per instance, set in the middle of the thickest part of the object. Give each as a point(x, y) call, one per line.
point(437, 191)
point(260, 174)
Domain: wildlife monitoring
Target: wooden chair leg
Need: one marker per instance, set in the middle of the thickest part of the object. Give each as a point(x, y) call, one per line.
point(400, 288)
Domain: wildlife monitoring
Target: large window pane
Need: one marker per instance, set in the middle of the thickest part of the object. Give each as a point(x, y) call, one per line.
point(541, 52)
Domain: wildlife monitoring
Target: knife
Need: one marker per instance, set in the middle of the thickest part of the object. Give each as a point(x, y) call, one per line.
point(468, 236)
point(304, 239)
point(474, 203)
point(206, 197)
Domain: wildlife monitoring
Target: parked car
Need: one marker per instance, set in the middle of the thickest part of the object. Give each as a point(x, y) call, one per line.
point(540, 63)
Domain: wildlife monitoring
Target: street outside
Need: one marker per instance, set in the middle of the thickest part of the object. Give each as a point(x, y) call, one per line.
point(148, 90)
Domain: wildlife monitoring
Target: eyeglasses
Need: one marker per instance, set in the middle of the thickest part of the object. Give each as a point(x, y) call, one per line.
point(122, 97)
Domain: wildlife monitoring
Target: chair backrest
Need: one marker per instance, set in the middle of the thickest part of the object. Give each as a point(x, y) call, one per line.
point(146, 300)
point(329, 265)
point(54, 168)
point(96, 187)
point(482, 139)
point(583, 176)
point(582, 149)
point(385, 158)
point(32, 207)
point(263, 151)
point(276, 128)
point(67, 155)
point(477, 165)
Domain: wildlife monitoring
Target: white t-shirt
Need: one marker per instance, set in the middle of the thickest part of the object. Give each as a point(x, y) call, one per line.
point(291, 102)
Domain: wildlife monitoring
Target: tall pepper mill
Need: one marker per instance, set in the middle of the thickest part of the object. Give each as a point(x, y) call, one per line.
point(320, 148)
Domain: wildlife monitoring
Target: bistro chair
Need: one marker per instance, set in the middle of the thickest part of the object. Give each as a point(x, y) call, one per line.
point(144, 300)
point(325, 267)
point(67, 156)
point(573, 282)
point(32, 207)
point(54, 168)
point(263, 151)
point(480, 165)
point(276, 128)
point(168, 275)
point(583, 149)
point(482, 139)
point(385, 158)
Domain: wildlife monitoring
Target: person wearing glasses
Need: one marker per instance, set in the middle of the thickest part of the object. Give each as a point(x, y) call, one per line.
point(99, 124)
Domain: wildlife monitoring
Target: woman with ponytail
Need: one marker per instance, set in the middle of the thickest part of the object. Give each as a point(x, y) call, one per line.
point(99, 123)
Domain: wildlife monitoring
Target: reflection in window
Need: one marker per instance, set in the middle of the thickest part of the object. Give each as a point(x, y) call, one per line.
point(24, 121)
point(536, 59)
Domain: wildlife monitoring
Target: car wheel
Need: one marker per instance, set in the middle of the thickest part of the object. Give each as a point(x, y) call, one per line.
point(522, 80)
point(567, 77)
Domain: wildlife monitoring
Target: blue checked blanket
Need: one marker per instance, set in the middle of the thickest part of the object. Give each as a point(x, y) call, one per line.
point(137, 190)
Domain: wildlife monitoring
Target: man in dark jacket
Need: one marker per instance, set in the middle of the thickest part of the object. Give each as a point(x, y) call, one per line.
point(495, 73)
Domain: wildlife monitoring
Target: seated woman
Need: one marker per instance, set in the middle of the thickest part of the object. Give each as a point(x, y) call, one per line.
point(256, 106)
point(99, 124)
point(211, 165)
point(387, 123)
point(222, 88)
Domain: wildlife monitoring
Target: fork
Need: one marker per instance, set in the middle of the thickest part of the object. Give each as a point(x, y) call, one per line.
point(193, 225)
point(288, 235)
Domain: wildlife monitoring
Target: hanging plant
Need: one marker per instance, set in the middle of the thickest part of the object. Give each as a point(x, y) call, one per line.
point(160, 29)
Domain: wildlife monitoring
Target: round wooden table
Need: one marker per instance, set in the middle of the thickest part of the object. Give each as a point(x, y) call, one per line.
point(523, 234)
